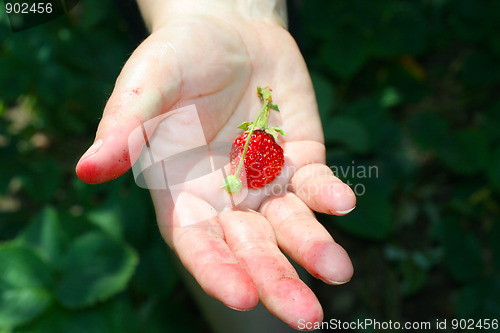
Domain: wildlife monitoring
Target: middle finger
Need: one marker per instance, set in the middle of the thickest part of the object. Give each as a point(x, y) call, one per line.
point(252, 240)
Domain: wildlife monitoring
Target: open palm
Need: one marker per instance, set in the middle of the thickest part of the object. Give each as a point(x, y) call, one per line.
point(235, 253)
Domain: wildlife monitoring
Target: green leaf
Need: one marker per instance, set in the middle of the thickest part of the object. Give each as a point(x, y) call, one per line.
point(109, 317)
point(124, 214)
point(154, 278)
point(412, 267)
point(325, 94)
point(108, 218)
point(400, 30)
point(390, 97)
point(413, 279)
point(466, 152)
point(463, 251)
point(469, 20)
point(489, 122)
point(163, 315)
point(24, 285)
point(494, 236)
point(384, 135)
point(274, 107)
point(429, 129)
point(95, 268)
point(344, 54)
point(494, 169)
point(43, 179)
point(62, 320)
point(347, 131)
point(44, 234)
point(480, 70)
point(480, 299)
point(371, 219)
point(136, 212)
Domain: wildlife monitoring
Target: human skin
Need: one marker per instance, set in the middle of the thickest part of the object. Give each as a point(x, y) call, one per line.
point(214, 54)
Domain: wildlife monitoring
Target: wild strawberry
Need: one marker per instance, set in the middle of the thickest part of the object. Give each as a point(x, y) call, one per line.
point(256, 150)
point(263, 160)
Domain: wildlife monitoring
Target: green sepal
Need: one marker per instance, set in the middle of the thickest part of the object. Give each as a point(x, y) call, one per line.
point(274, 131)
point(274, 107)
point(232, 184)
point(246, 125)
point(279, 130)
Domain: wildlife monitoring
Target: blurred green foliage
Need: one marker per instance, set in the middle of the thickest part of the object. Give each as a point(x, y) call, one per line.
point(407, 94)
point(409, 88)
point(74, 257)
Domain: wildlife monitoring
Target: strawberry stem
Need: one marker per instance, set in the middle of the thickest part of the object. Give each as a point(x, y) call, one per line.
point(261, 121)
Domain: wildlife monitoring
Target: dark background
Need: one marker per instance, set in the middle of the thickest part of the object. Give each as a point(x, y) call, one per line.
point(405, 87)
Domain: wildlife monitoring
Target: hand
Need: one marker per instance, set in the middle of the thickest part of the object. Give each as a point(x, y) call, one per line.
point(216, 62)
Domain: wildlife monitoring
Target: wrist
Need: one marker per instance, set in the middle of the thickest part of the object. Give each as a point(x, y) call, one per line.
point(158, 12)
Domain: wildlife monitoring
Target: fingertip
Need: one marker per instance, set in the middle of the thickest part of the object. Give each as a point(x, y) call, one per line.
point(99, 165)
point(233, 287)
point(86, 172)
point(243, 294)
point(341, 199)
point(330, 262)
point(322, 191)
point(313, 320)
point(327, 195)
point(92, 173)
point(292, 301)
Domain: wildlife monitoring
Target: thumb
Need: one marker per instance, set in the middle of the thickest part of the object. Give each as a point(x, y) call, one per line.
point(148, 85)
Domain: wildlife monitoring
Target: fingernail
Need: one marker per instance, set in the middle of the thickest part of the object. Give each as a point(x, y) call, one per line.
point(94, 148)
point(237, 309)
point(337, 283)
point(344, 212)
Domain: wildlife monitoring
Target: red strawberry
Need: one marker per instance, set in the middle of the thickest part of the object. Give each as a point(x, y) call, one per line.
point(263, 159)
point(255, 151)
